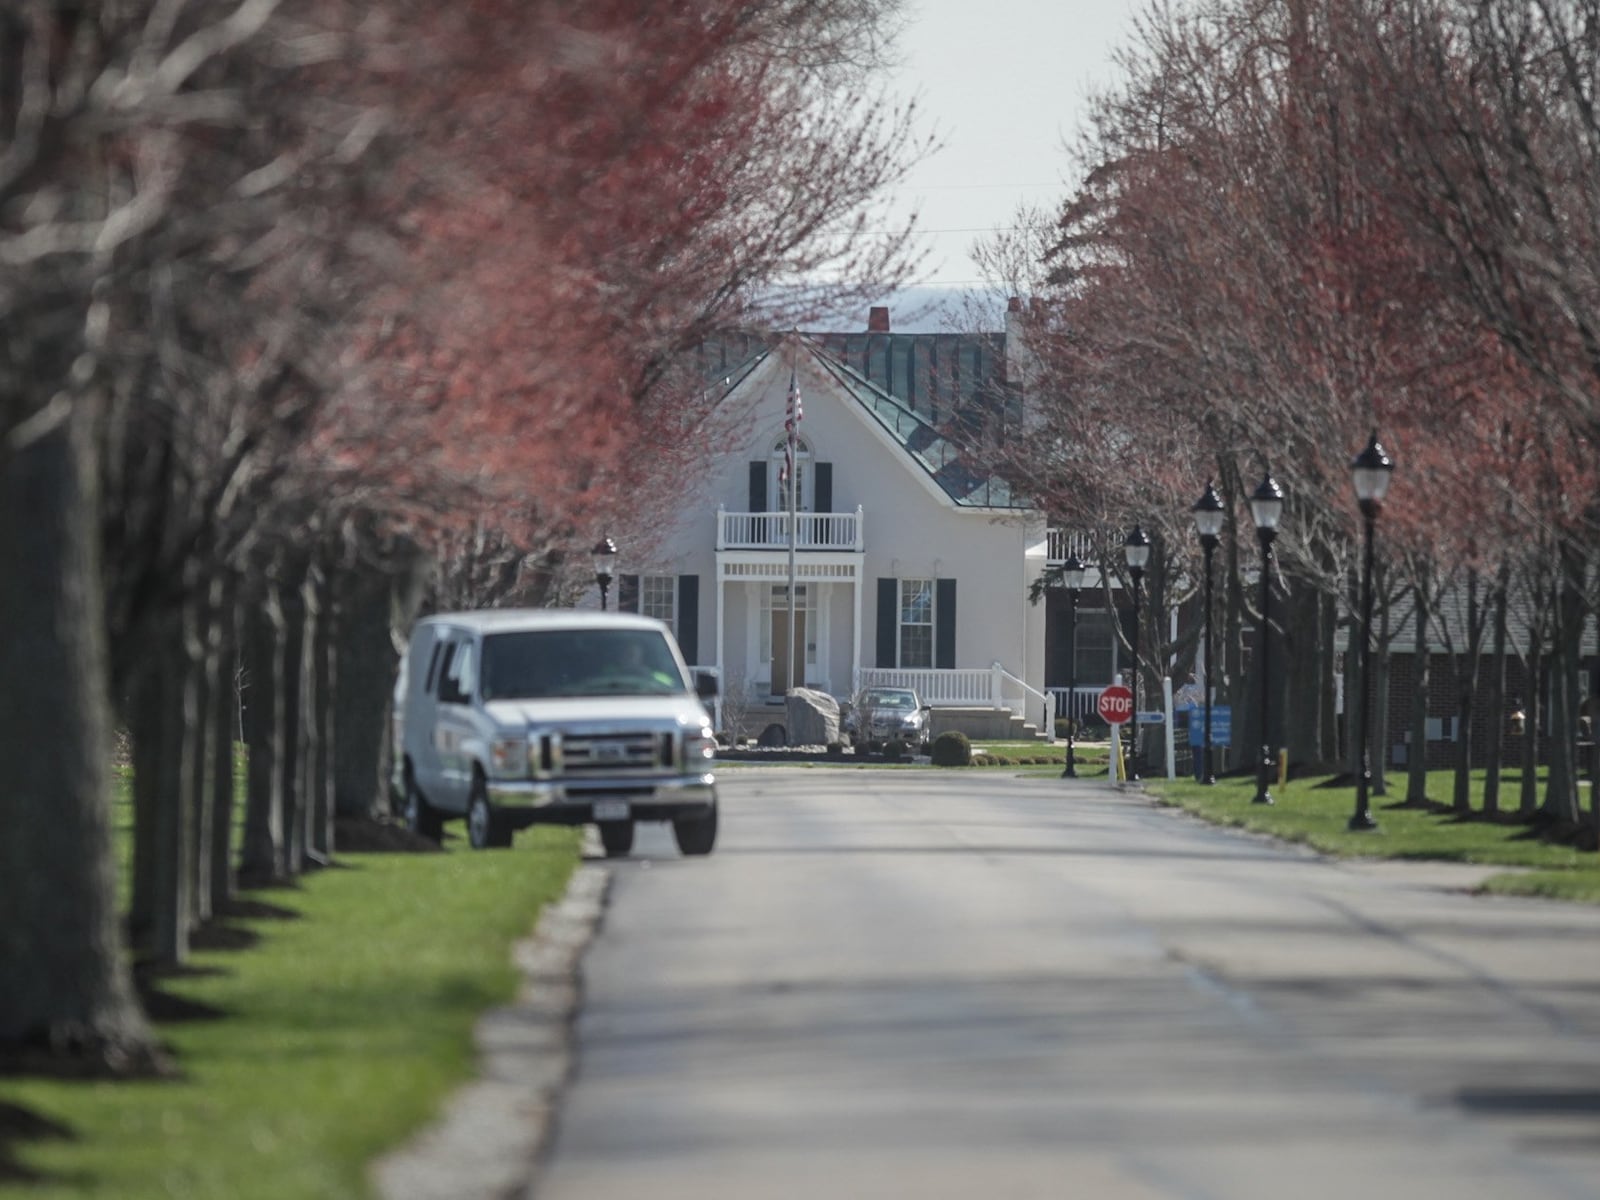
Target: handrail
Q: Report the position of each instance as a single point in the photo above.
(1044, 701)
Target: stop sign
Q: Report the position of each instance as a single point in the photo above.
(1115, 705)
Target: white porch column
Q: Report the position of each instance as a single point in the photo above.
(861, 536)
(855, 649)
(722, 666)
(994, 684)
(722, 541)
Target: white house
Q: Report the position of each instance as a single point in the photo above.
(910, 567)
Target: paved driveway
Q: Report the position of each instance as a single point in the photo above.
(930, 984)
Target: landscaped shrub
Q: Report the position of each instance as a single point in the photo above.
(894, 750)
(1064, 728)
(835, 749)
(952, 749)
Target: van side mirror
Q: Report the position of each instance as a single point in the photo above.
(706, 685)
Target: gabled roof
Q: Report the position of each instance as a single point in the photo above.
(729, 359)
(939, 376)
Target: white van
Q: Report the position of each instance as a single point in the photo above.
(512, 717)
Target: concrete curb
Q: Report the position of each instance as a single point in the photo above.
(487, 1141)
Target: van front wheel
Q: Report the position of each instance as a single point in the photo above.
(486, 829)
(696, 835)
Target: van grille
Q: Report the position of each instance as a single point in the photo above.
(611, 752)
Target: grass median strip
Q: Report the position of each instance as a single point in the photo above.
(1312, 812)
(333, 1027)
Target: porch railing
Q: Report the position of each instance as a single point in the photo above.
(770, 531)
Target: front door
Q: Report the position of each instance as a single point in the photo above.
(783, 651)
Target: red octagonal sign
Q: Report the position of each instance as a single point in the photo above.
(1115, 705)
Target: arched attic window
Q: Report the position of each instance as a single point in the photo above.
(804, 476)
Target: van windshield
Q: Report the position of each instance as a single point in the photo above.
(579, 662)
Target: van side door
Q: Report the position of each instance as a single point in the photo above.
(454, 726)
(417, 710)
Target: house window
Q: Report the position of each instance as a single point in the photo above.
(1096, 641)
(658, 595)
(779, 488)
(916, 622)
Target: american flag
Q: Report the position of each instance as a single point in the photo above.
(791, 423)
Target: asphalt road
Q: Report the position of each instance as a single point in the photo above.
(921, 984)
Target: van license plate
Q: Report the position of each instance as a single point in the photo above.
(611, 810)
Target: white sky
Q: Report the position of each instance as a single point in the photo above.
(1003, 82)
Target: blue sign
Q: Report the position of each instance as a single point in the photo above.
(1221, 725)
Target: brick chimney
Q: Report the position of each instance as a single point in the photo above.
(878, 319)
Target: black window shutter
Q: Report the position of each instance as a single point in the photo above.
(944, 618)
(824, 488)
(758, 487)
(888, 621)
(689, 618)
(628, 593)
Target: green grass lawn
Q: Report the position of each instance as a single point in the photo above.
(334, 1029)
(1316, 815)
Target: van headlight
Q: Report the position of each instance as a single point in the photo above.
(508, 757)
(699, 750)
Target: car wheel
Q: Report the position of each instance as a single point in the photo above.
(486, 829)
(421, 818)
(616, 837)
(696, 835)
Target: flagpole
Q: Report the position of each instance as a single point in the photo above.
(794, 493)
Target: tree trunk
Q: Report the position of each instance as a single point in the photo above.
(262, 859)
(163, 703)
(1300, 670)
(1533, 718)
(1467, 662)
(224, 718)
(68, 992)
(292, 688)
(322, 684)
(1381, 663)
(1495, 700)
(202, 750)
(1561, 785)
(374, 610)
(1417, 757)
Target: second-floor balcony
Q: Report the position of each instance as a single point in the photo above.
(1064, 542)
(771, 531)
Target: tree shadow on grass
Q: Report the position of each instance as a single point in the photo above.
(20, 1125)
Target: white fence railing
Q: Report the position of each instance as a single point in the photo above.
(991, 687)
(770, 531)
(940, 688)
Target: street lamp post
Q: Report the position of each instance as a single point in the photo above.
(1073, 572)
(1266, 508)
(1370, 472)
(1208, 517)
(605, 566)
(1137, 551)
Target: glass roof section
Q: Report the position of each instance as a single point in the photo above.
(933, 452)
